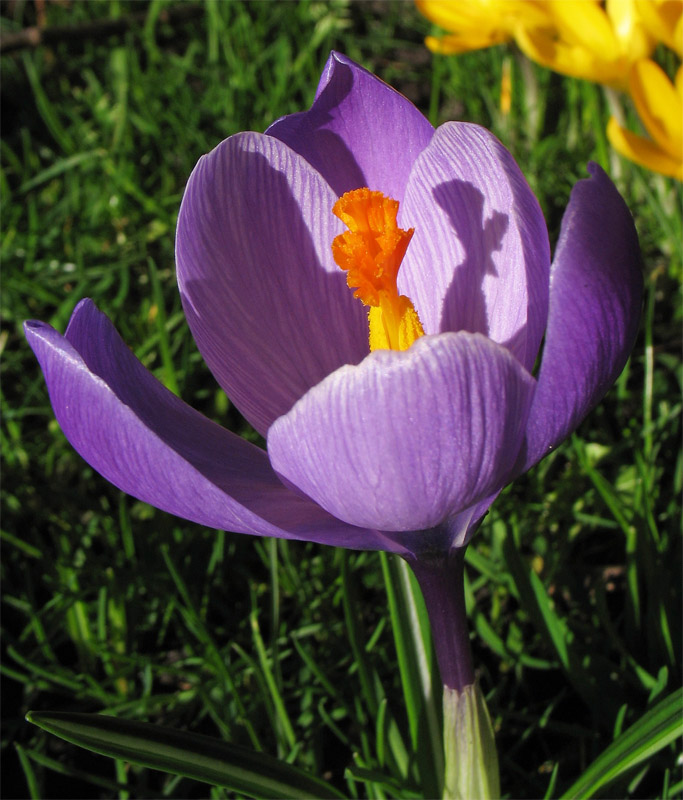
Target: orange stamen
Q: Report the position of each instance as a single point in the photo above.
(371, 251)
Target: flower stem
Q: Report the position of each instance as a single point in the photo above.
(470, 760)
(441, 579)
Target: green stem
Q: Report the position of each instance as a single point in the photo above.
(470, 760)
(469, 747)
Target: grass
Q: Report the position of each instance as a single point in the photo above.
(573, 581)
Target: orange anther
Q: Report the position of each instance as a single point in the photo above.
(371, 252)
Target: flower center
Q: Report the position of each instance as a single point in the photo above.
(371, 252)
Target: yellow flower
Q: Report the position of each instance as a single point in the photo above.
(663, 20)
(588, 40)
(474, 24)
(606, 42)
(660, 106)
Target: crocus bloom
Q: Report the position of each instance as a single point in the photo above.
(659, 103)
(575, 37)
(589, 41)
(475, 24)
(400, 450)
(663, 20)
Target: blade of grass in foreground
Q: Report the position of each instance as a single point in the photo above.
(654, 730)
(191, 755)
(412, 638)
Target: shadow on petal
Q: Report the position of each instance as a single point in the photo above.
(268, 307)
(464, 306)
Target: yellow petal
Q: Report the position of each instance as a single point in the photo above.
(678, 82)
(529, 13)
(659, 105)
(677, 43)
(475, 24)
(643, 151)
(459, 15)
(540, 46)
(455, 16)
(664, 21)
(634, 40)
(472, 26)
(584, 23)
(453, 44)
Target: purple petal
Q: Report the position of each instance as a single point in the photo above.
(406, 440)
(595, 296)
(452, 534)
(480, 258)
(268, 307)
(358, 132)
(149, 443)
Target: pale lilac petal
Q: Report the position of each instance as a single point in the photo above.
(479, 259)
(358, 132)
(149, 443)
(595, 297)
(406, 440)
(268, 307)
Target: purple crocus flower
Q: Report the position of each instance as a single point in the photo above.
(402, 451)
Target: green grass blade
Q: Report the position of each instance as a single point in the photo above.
(196, 626)
(536, 601)
(29, 773)
(114, 788)
(356, 637)
(61, 166)
(653, 731)
(181, 753)
(46, 108)
(285, 728)
(412, 638)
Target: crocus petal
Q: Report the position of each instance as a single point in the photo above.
(586, 25)
(406, 440)
(659, 105)
(643, 151)
(472, 26)
(479, 259)
(542, 47)
(150, 444)
(632, 35)
(664, 21)
(595, 296)
(460, 17)
(268, 307)
(453, 44)
(351, 131)
(480, 17)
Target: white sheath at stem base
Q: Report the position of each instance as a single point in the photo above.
(471, 761)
